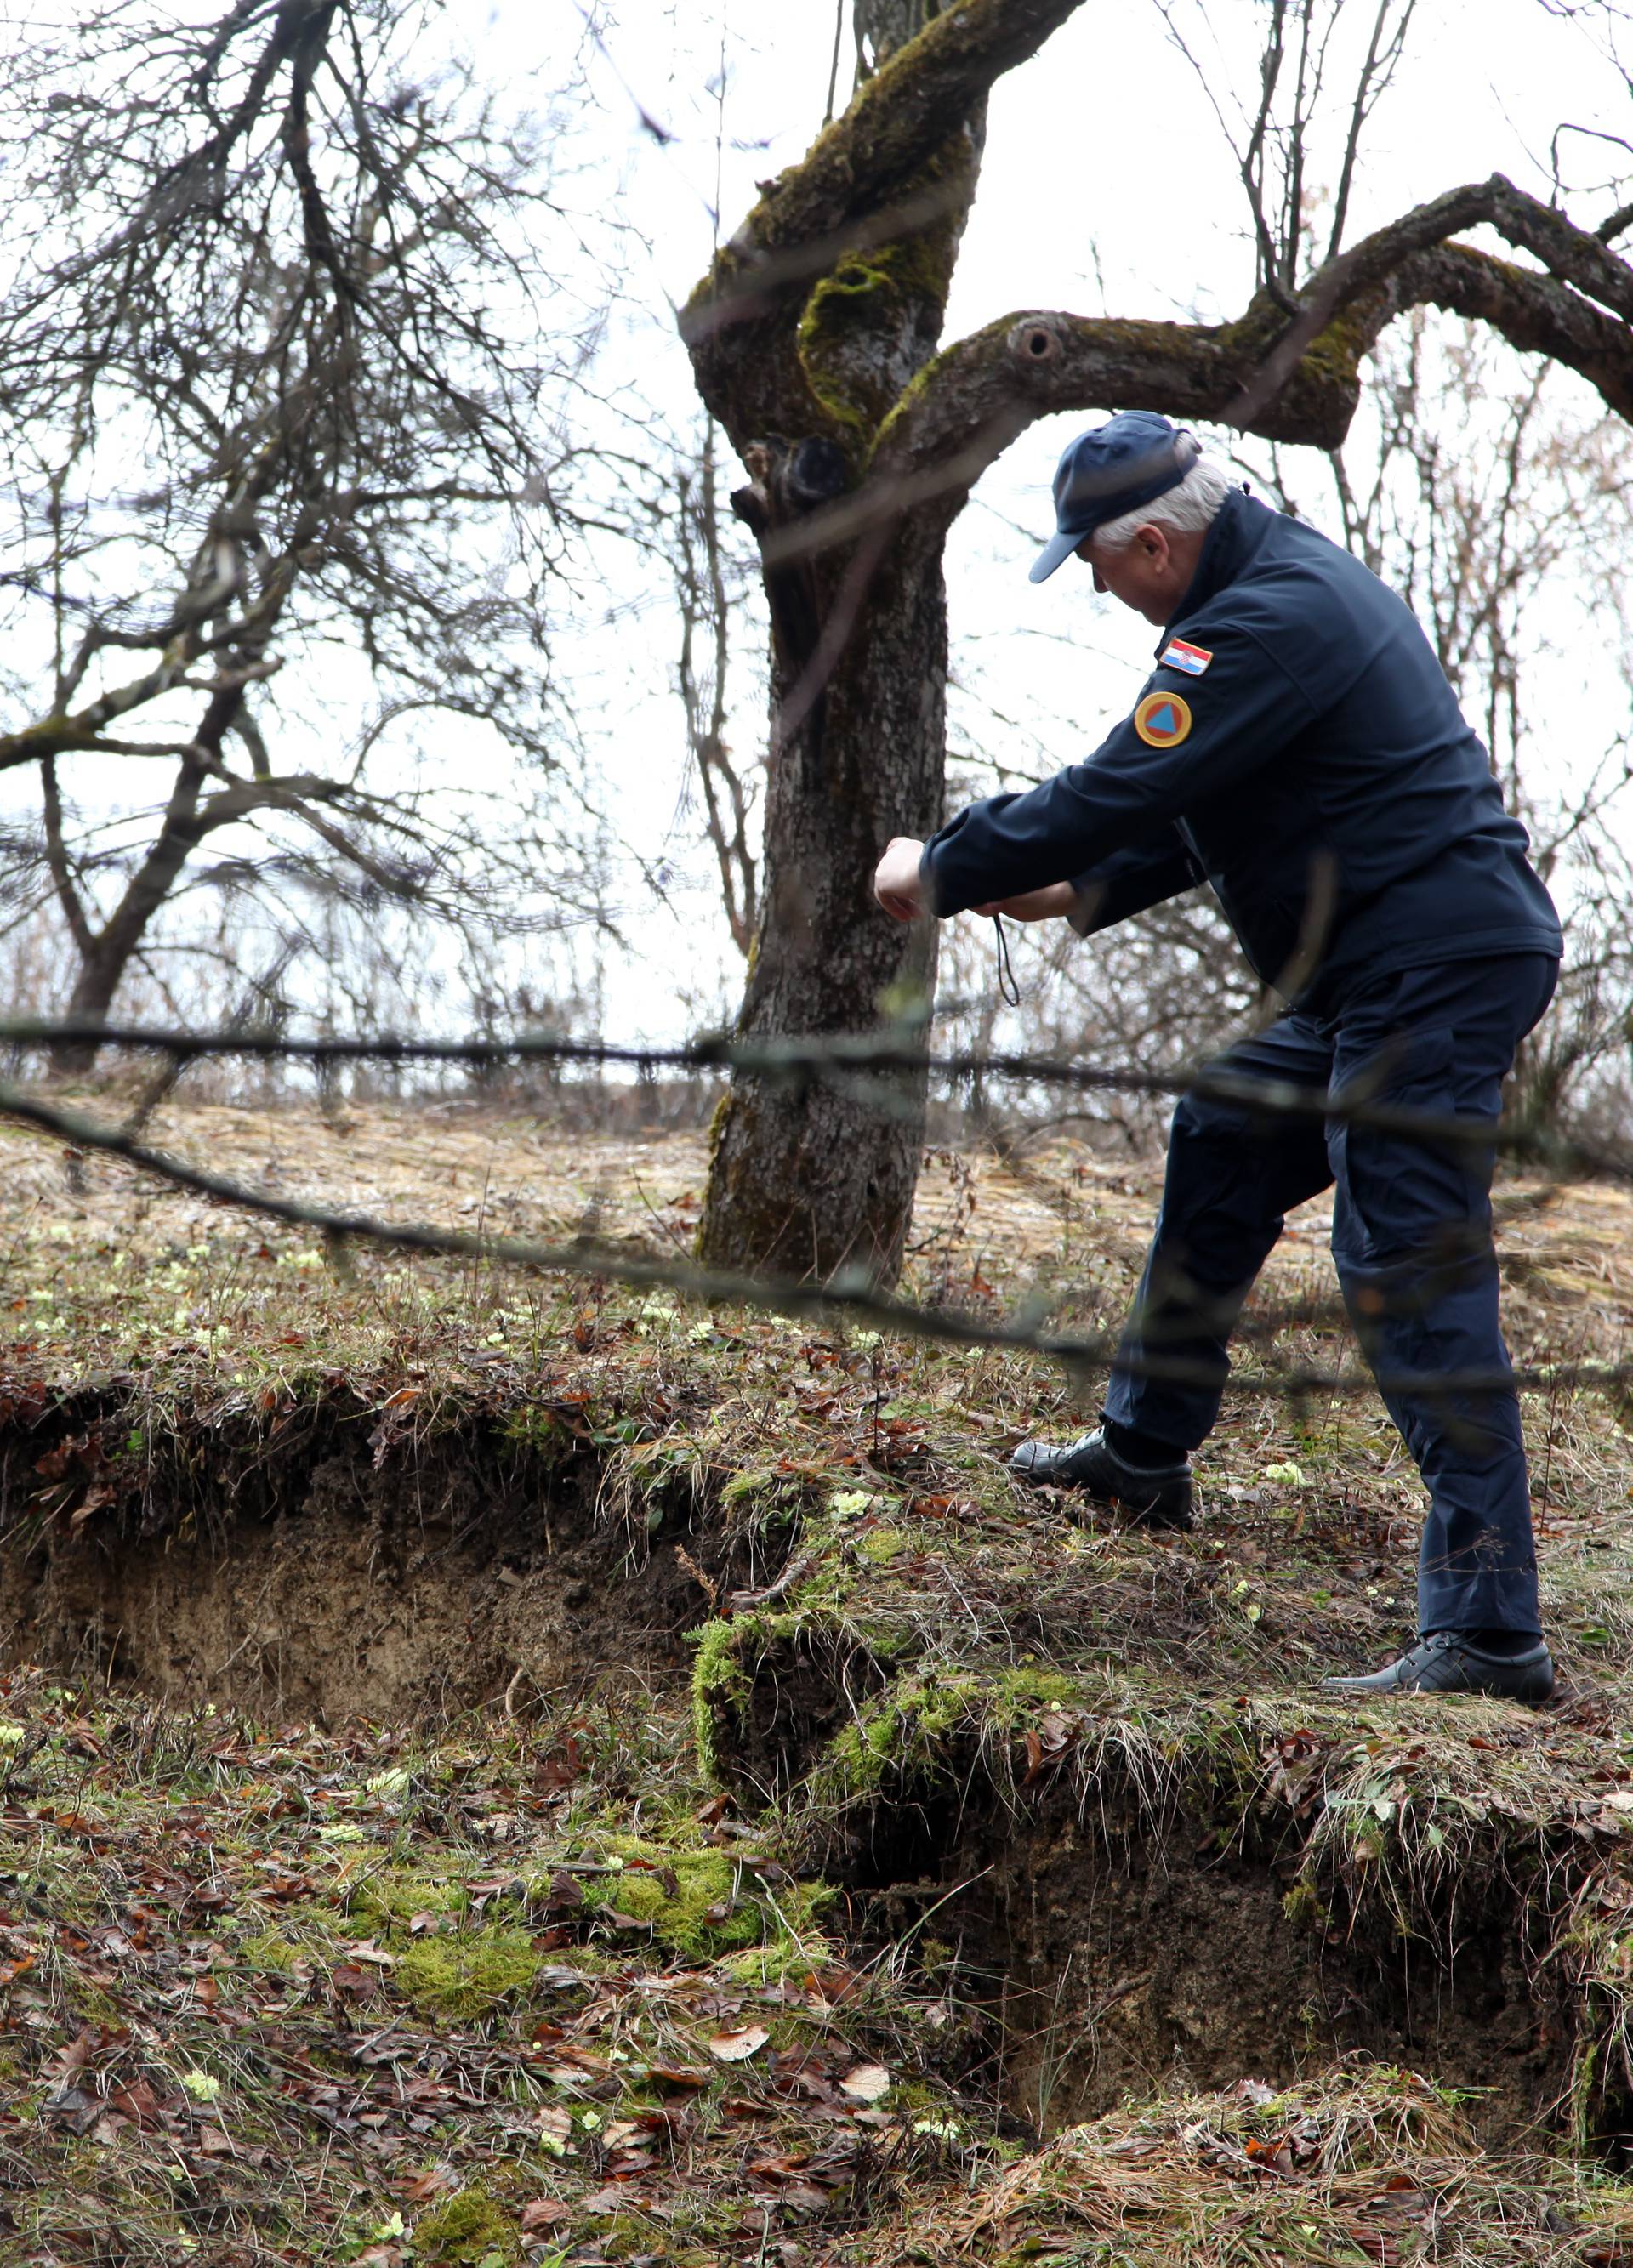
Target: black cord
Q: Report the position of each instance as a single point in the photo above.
(1008, 991)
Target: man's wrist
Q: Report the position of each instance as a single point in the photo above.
(927, 897)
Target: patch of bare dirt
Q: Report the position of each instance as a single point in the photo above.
(311, 1575)
(1179, 1961)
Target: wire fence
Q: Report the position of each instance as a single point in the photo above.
(851, 1294)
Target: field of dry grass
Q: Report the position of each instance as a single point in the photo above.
(500, 1768)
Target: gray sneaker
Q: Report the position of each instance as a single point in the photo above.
(1157, 1498)
(1445, 1662)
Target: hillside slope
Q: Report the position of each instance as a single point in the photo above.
(498, 1768)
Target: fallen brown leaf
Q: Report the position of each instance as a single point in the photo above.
(733, 2047)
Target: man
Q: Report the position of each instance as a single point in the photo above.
(1298, 748)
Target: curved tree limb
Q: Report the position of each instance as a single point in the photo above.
(1301, 386)
(895, 126)
(890, 149)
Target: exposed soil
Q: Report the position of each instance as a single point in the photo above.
(1126, 1966)
(321, 1568)
(499, 1488)
(331, 1563)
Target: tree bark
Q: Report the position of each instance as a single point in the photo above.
(811, 1176)
(807, 1175)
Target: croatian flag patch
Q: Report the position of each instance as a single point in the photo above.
(1194, 659)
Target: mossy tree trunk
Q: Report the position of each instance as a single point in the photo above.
(815, 340)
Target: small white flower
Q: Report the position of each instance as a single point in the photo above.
(203, 2085)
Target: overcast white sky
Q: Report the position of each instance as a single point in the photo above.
(1106, 185)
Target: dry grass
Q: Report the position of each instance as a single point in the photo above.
(1369, 2164)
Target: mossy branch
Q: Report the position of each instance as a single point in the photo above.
(1294, 382)
(896, 146)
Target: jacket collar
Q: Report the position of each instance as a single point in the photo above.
(1240, 527)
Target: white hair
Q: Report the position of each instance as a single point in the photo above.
(1189, 507)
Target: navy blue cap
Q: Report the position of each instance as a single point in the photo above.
(1131, 460)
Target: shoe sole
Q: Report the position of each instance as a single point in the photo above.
(1137, 1515)
(1440, 1693)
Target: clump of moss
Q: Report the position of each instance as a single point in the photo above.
(905, 1733)
(700, 1902)
(545, 1433)
(854, 318)
(389, 1897)
(721, 1687)
(467, 2231)
(467, 1976)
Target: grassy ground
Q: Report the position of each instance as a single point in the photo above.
(662, 1955)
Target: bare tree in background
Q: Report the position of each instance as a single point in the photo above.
(814, 341)
(711, 590)
(281, 370)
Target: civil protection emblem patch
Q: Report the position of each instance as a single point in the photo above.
(1162, 720)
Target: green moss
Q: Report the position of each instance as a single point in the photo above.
(390, 1897)
(469, 2231)
(905, 1735)
(848, 322)
(269, 1951)
(765, 1497)
(721, 1687)
(467, 1976)
(1021, 1691)
(880, 1545)
(1304, 1909)
(701, 1902)
(543, 1432)
(676, 1893)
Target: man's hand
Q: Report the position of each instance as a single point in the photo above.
(1053, 899)
(896, 882)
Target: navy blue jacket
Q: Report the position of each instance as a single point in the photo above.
(1313, 766)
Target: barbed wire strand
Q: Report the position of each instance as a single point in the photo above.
(838, 1056)
(848, 1294)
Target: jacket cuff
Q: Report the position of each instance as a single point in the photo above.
(927, 888)
(1088, 906)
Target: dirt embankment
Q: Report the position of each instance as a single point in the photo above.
(337, 1558)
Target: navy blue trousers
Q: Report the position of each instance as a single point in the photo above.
(1412, 1240)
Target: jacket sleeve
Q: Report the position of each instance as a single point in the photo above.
(1132, 880)
(1234, 720)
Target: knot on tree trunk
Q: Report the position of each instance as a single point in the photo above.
(788, 480)
(1037, 341)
